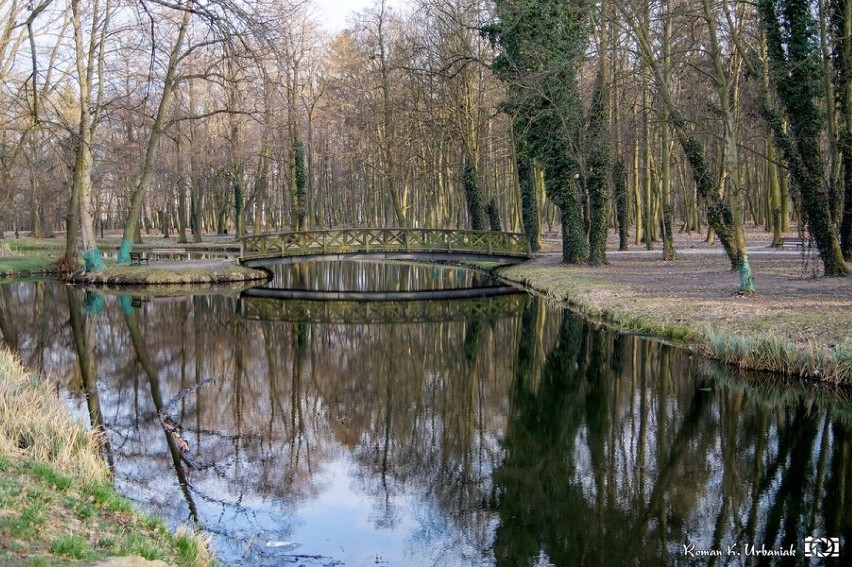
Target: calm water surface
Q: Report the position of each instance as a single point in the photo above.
(493, 431)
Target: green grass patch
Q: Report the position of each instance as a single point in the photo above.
(135, 544)
(73, 546)
(45, 519)
(51, 476)
(27, 265)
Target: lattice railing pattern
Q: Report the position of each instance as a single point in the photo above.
(367, 312)
(365, 240)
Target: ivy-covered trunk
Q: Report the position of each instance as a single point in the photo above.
(473, 194)
(493, 212)
(542, 45)
(622, 202)
(841, 20)
(599, 163)
(299, 184)
(529, 200)
(797, 78)
(559, 178)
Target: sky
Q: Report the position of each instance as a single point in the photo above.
(334, 13)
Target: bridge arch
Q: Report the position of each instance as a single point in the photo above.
(390, 243)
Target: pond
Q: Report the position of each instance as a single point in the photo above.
(491, 430)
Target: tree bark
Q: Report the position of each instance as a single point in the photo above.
(157, 129)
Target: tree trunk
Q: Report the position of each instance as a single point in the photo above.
(473, 194)
(797, 81)
(157, 128)
(599, 157)
(666, 150)
(529, 200)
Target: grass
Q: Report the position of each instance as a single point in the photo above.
(57, 505)
(766, 352)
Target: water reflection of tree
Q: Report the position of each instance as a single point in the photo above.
(83, 332)
(574, 446)
(621, 463)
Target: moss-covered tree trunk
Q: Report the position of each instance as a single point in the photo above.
(473, 193)
(796, 77)
(731, 231)
(841, 17)
(622, 202)
(530, 215)
(599, 163)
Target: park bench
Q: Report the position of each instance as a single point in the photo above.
(136, 258)
(793, 241)
(160, 253)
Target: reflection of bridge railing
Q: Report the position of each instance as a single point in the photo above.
(499, 246)
(371, 312)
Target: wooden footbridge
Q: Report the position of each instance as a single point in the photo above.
(388, 243)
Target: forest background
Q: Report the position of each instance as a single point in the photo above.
(572, 117)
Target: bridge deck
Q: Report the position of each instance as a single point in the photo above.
(384, 242)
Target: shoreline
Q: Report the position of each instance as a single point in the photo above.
(57, 501)
(796, 327)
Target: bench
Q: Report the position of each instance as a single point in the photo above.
(792, 240)
(136, 258)
(178, 253)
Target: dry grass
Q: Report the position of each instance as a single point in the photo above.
(34, 423)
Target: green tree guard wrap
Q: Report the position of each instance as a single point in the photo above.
(93, 260)
(124, 251)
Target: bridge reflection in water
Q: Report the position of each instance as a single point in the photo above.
(365, 307)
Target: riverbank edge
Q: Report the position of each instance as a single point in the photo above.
(761, 352)
(187, 272)
(57, 502)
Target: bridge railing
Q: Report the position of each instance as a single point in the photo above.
(355, 240)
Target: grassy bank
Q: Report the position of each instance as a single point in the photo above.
(28, 257)
(797, 327)
(57, 505)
